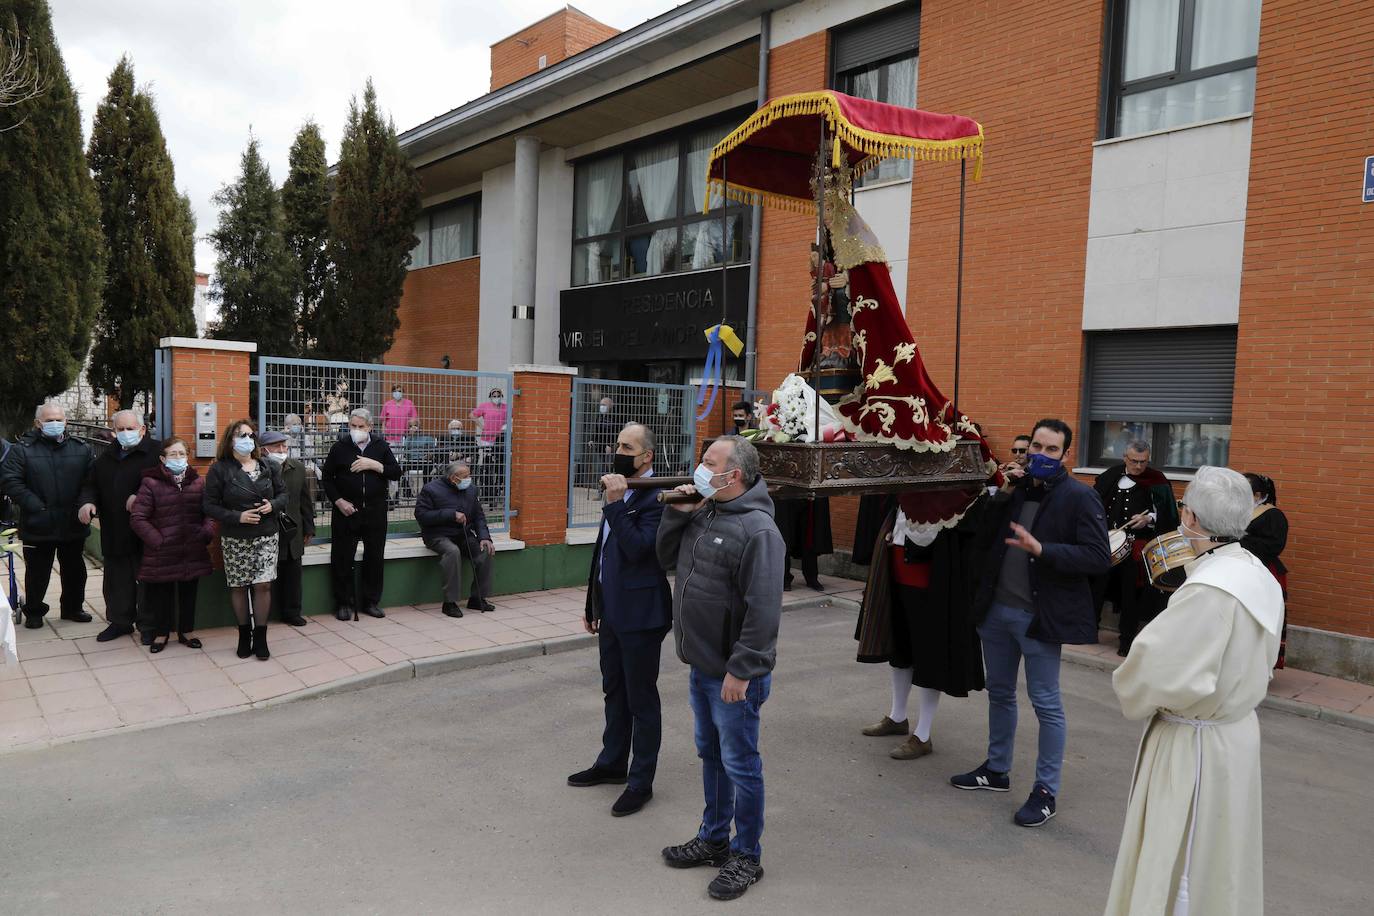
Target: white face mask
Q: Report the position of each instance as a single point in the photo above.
(604, 408)
(277, 457)
(396, 395)
(359, 436)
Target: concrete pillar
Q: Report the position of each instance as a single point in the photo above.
(524, 239)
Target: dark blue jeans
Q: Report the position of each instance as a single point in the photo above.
(731, 767)
(1005, 644)
(634, 719)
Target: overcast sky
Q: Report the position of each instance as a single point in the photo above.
(217, 68)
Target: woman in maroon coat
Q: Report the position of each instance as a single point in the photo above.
(167, 517)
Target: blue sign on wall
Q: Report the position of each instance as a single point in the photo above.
(1369, 180)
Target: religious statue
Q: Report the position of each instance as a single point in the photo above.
(336, 405)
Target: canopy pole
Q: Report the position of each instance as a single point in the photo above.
(959, 287)
(820, 281)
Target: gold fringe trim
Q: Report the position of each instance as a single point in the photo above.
(885, 146)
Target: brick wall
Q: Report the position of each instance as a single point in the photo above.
(207, 375)
(541, 430)
(1027, 220)
(439, 312)
(557, 37)
(1303, 410)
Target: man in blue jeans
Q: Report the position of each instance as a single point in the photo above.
(1049, 540)
(726, 604)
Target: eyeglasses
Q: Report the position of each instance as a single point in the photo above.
(1019, 451)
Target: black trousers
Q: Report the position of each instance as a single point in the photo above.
(811, 568)
(286, 588)
(634, 718)
(125, 601)
(369, 527)
(171, 602)
(1137, 605)
(38, 572)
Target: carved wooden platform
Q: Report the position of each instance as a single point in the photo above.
(809, 469)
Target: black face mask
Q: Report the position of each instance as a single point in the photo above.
(740, 424)
(624, 465)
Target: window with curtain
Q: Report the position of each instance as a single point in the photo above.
(1171, 388)
(1179, 62)
(640, 211)
(448, 232)
(875, 58)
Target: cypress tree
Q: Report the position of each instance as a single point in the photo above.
(305, 208)
(371, 226)
(255, 279)
(51, 254)
(149, 233)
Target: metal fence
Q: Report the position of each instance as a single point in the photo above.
(667, 410)
(442, 415)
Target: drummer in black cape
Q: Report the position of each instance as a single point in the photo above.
(1140, 505)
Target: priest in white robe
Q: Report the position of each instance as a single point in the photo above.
(1192, 838)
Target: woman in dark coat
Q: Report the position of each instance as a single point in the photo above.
(1266, 537)
(168, 518)
(246, 495)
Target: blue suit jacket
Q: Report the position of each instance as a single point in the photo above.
(630, 592)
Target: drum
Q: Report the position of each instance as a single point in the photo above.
(1119, 542)
(1165, 558)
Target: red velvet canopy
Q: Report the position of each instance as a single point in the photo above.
(771, 157)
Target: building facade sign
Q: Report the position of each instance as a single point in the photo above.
(659, 318)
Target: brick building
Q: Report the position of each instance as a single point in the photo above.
(1168, 242)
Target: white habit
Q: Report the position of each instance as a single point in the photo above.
(1197, 672)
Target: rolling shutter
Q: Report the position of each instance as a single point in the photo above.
(1176, 376)
(891, 34)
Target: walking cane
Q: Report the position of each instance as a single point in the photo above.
(468, 536)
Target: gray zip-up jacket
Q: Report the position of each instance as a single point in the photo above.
(728, 596)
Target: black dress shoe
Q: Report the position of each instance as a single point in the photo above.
(113, 631)
(372, 610)
(476, 604)
(33, 621)
(596, 776)
(451, 609)
(296, 620)
(630, 801)
(78, 617)
(343, 612)
(787, 584)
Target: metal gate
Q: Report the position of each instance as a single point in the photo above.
(667, 410)
(442, 415)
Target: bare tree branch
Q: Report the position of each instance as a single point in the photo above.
(21, 79)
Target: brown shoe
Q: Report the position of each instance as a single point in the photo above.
(887, 727)
(910, 749)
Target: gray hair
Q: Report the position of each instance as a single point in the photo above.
(646, 436)
(138, 417)
(1137, 445)
(453, 467)
(286, 420)
(361, 413)
(38, 411)
(1222, 501)
(744, 456)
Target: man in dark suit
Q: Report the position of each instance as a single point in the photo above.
(630, 608)
(356, 476)
(300, 508)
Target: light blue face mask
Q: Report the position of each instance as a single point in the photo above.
(54, 428)
(701, 479)
(244, 445)
(465, 483)
(176, 465)
(128, 438)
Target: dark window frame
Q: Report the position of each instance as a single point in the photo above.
(1090, 451)
(837, 78)
(682, 134)
(1117, 87)
(475, 199)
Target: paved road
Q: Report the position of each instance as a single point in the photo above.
(447, 795)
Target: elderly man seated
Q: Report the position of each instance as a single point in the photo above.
(454, 526)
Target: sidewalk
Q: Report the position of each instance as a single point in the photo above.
(68, 686)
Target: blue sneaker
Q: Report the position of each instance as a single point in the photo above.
(982, 778)
(1037, 810)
